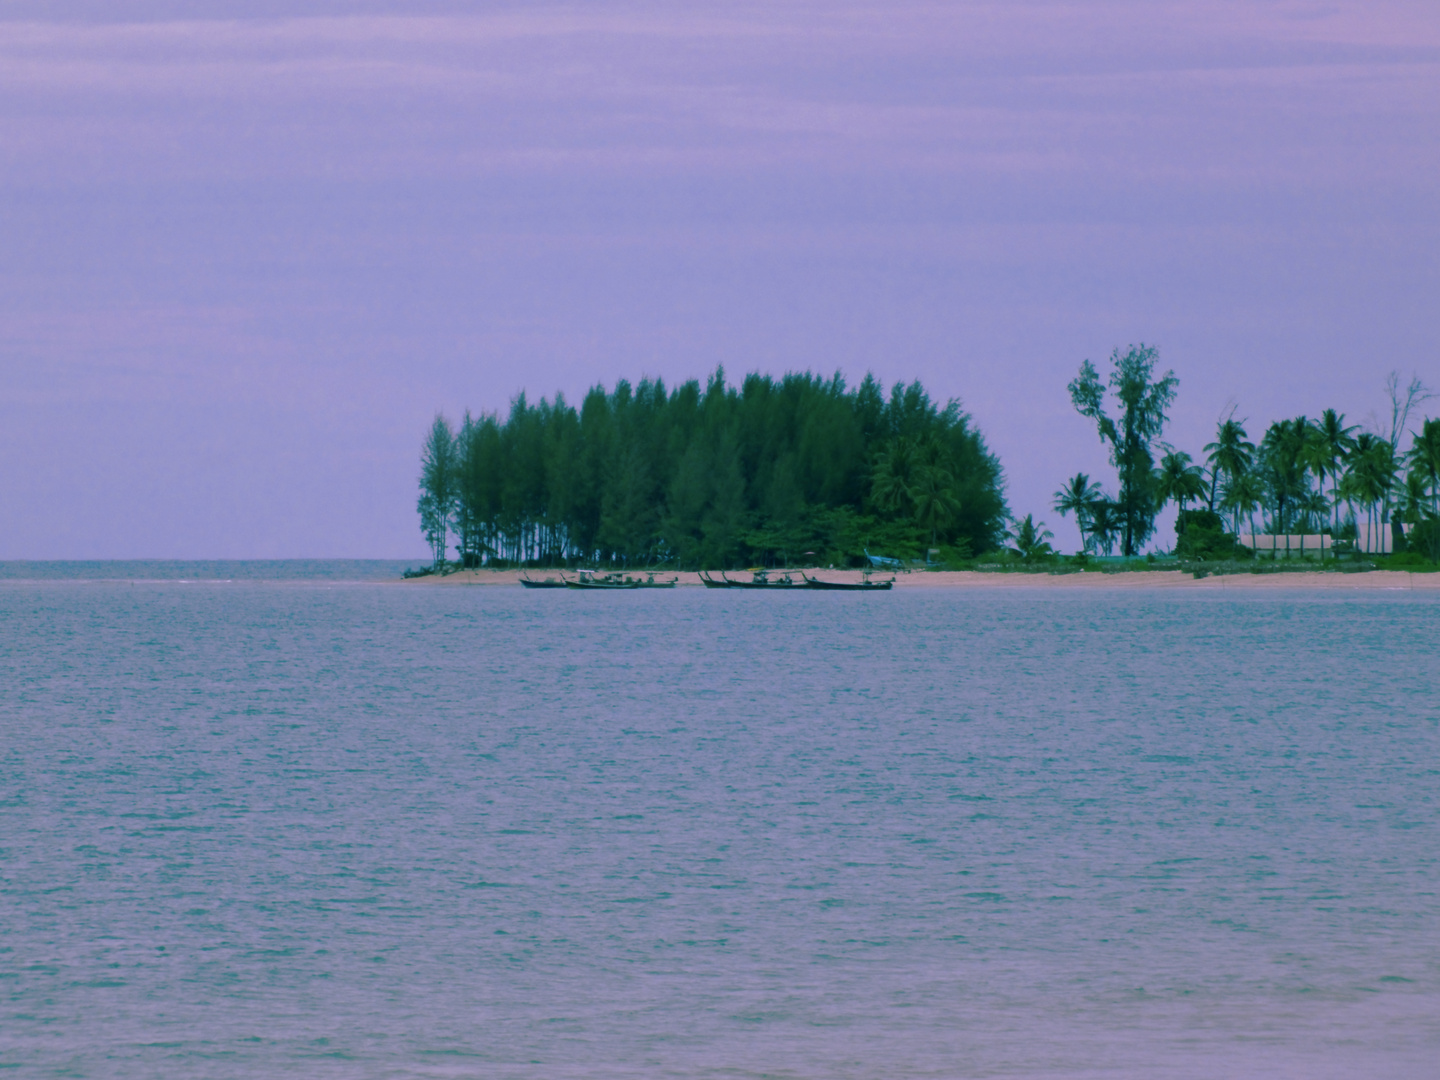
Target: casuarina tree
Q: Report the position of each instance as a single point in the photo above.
(439, 485)
(1141, 399)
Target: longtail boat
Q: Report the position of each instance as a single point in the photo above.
(850, 586)
(546, 583)
(760, 579)
(586, 579)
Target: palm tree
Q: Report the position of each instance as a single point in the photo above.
(1105, 524)
(933, 493)
(1031, 538)
(1424, 458)
(1286, 472)
(1335, 438)
(1079, 495)
(1242, 498)
(1314, 508)
(1414, 497)
(1178, 480)
(890, 489)
(1230, 455)
(1369, 478)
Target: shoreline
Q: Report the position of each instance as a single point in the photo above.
(1387, 580)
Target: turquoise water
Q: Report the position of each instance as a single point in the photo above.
(329, 829)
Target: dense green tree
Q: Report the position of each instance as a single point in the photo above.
(719, 475)
(1142, 400)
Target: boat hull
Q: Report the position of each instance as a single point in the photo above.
(849, 586)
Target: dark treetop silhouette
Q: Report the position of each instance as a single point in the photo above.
(772, 471)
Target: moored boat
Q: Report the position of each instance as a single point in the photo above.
(850, 586)
(587, 579)
(760, 579)
(544, 583)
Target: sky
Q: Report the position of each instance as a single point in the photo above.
(248, 250)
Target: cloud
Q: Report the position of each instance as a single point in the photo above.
(997, 88)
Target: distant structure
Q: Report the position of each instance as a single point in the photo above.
(1370, 540)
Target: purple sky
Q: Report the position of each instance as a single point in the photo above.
(246, 256)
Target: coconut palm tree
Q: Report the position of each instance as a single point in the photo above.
(1314, 510)
(1424, 460)
(1178, 481)
(1369, 478)
(1243, 495)
(1335, 438)
(1079, 495)
(1414, 497)
(934, 497)
(1284, 457)
(1031, 538)
(1105, 525)
(1229, 455)
(890, 488)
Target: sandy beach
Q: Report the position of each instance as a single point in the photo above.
(1084, 579)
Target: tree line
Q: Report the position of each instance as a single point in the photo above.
(1304, 475)
(773, 471)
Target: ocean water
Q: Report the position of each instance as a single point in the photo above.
(265, 825)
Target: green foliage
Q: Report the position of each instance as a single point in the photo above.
(439, 485)
(1201, 535)
(1142, 400)
(1032, 540)
(1230, 457)
(1424, 540)
(1178, 481)
(1085, 500)
(1285, 479)
(773, 471)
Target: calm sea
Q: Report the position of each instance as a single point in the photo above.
(278, 823)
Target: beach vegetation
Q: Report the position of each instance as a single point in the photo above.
(1031, 539)
(1141, 399)
(1081, 497)
(439, 486)
(1304, 480)
(775, 471)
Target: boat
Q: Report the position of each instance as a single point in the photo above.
(760, 579)
(651, 583)
(547, 583)
(883, 562)
(850, 586)
(586, 579)
(711, 583)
